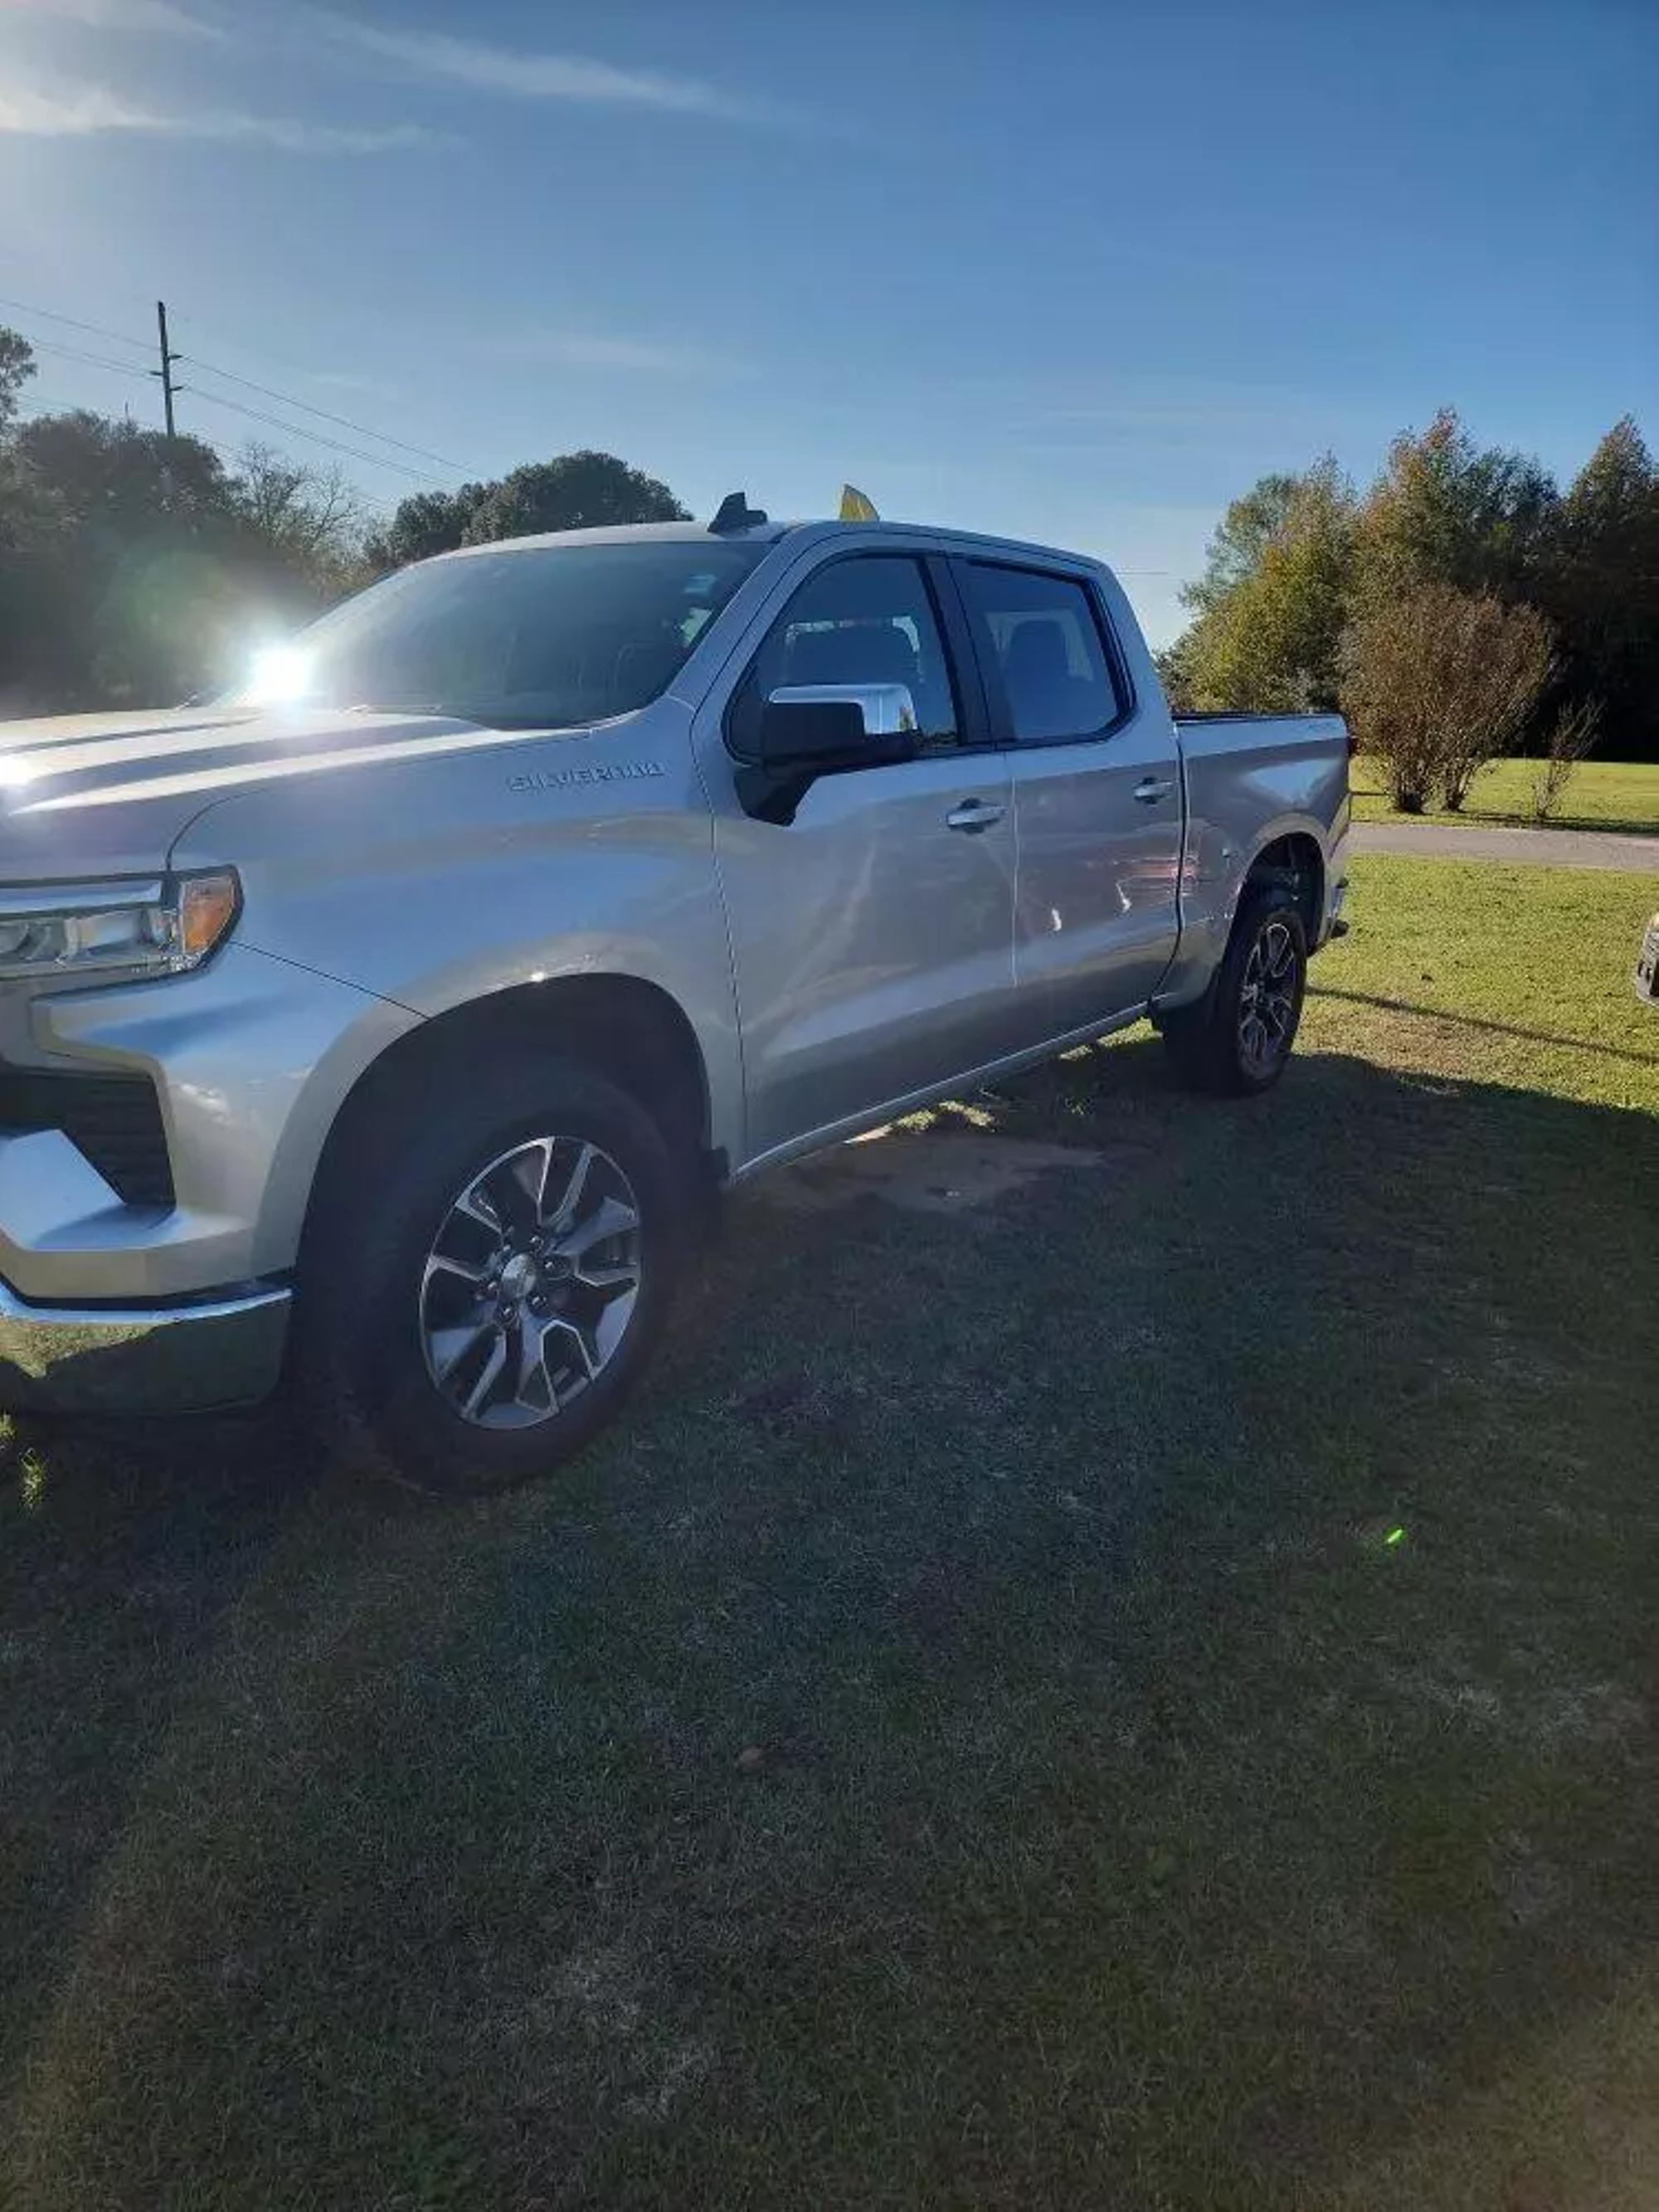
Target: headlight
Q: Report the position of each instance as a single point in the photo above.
(67, 930)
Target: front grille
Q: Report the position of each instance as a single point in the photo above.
(115, 1120)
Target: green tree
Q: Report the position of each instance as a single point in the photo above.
(426, 523)
(1601, 588)
(135, 567)
(17, 366)
(572, 491)
(1274, 597)
(132, 581)
(575, 491)
(1174, 672)
(1297, 558)
(1240, 538)
(1445, 511)
(29, 524)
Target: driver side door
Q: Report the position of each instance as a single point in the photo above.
(872, 936)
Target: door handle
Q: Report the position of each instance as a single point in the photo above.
(1152, 788)
(973, 815)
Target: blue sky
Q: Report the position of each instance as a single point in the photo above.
(1071, 271)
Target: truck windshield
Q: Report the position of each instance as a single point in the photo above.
(545, 638)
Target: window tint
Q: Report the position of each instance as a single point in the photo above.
(869, 620)
(1042, 634)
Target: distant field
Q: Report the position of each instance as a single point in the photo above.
(1602, 795)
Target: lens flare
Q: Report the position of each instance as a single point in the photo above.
(280, 674)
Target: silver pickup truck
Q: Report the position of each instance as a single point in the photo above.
(390, 1020)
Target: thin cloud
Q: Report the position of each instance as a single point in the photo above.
(573, 77)
(90, 111)
(592, 349)
(159, 15)
(348, 380)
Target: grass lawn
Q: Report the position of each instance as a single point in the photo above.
(1602, 795)
(1139, 1697)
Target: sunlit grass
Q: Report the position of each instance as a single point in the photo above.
(1620, 795)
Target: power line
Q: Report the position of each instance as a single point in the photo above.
(297, 430)
(76, 353)
(345, 422)
(216, 400)
(94, 329)
(249, 383)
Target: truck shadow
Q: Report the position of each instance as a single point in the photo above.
(1180, 1629)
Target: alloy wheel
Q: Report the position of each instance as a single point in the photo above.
(530, 1282)
(1267, 1001)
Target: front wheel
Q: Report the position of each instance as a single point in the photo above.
(1237, 1039)
(487, 1273)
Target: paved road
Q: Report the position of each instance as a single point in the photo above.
(1540, 848)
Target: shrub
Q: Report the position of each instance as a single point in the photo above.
(1437, 683)
(1572, 737)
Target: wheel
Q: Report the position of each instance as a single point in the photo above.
(486, 1273)
(1237, 1038)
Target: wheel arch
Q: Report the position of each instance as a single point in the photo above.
(1295, 859)
(632, 1032)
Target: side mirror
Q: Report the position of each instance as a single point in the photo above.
(828, 728)
(810, 730)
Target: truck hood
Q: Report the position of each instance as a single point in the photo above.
(90, 794)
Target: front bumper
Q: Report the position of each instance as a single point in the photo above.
(184, 1357)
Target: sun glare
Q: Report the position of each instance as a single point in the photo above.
(279, 674)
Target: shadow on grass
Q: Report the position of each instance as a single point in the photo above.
(1454, 1019)
(1481, 818)
(122, 1548)
(1639, 825)
(974, 1735)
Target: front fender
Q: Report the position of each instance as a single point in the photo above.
(252, 1059)
(436, 882)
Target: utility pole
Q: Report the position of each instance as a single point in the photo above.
(165, 372)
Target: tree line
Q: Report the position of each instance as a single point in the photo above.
(1463, 606)
(137, 570)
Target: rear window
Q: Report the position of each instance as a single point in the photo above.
(1042, 635)
(547, 638)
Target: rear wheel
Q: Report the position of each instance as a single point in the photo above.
(486, 1271)
(1237, 1039)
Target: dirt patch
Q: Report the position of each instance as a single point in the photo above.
(924, 1173)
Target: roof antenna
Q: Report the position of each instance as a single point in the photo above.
(735, 513)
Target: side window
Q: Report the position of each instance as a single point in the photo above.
(866, 620)
(1043, 635)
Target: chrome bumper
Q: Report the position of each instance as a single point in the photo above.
(183, 1357)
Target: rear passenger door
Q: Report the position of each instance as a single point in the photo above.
(871, 936)
(1096, 796)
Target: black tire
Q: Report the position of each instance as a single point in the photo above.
(1208, 1042)
(388, 1195)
